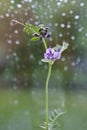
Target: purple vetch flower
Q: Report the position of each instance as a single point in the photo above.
(48, 55)
(52, 54)
(42, 33)
(57, 54)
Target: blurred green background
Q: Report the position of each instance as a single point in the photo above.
(23, 75)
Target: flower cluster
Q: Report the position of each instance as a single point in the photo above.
(43, 32)
(52, 54)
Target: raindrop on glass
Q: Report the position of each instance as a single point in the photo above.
(17, 42)
(63, 14)
(73, 37)
(65, 68)
(77, 17)
(62, 25)
(58, 3)
(12, 1)
(81, 4)
(16, 31)
(19, 5)
(9, 41)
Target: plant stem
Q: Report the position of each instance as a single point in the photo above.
(44, 42)
(47, 83)
(16, 21)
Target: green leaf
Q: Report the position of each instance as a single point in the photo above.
(43, 127)
(54, 119)
(43, 60)
(35, 28)
(55, 126)
(35, 38)
(30, 29)
(48, 61)
(50, 119)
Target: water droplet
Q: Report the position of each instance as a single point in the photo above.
(45, 13)
(26, 13)
(7, 14)
(63, 14)
(7, 57)
(73, 37)
(29, 0)
(60, 35)
(73, 2)
(17, 42)
(62, 25)
(68, 26)
(14, 54)
(12, 1)
(78, 60)
(10, 8)
(56, 24)
(73, 63)
(9, 41)
(65, 1)
(71, 11)
(16, 12)
(33, 6)
(16, 31)
(58, 3)
(1, 16)
(81, 4)
(31, 19)
(80, 29)
(86, 34)
(77, 17)
(31, 56)
(19, 5)
(65, 68)
(63, 59)
(51, 16)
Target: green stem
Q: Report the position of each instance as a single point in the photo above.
(44, 42)
(16, 21)
(47, 83)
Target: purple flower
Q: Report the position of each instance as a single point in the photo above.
(52, 54)
(42, 33)
(57, 54)
(49, 54)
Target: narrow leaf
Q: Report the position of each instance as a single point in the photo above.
(54, 125)
(35, 39)
(36, 29)
(43, 60)
(43, 127)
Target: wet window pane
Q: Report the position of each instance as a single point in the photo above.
(23, 74)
